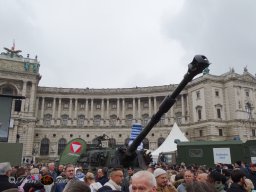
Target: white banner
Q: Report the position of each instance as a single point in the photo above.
(221, 155)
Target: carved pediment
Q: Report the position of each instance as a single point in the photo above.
(248, 77)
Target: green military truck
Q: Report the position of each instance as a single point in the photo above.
(11, 152)
(210, 153)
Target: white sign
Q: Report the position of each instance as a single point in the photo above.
(253, 159)
(221, 155)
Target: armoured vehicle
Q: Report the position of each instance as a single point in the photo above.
(126, 156)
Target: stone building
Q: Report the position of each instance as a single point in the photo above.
(209, 108)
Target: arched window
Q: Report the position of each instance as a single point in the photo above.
(112, 121)
(47, 119)
(145, 143)
(64, 120)
(199, 113)
(97, 119)
(80, 120)
(61, 145)
(145, 119)
(44, 148)
(129, 120)
(160, 141)
(8, 90)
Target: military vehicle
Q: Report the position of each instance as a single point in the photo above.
(126, 156)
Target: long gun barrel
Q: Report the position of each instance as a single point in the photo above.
(196, 67)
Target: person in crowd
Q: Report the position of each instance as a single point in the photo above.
(217, 180)
(77, 186)
(179, 178)
(238, 178)
(248, 185)
(198, 186)
(5, 172)
(60, 169)
(202, 177)
(33, 181)
(89, 179)
(21, 174)
(162, 181)
(44, 171)
(143, 181)
(126, 182)
(116, 178)
(252, 173)
(70, 175)
(52, 172)
(189, 177)
(79, 174)
(102, 175)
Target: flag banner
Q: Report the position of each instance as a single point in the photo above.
(72, 151)
(5, 114)
(136, 130)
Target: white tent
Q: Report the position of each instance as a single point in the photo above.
(168, 145)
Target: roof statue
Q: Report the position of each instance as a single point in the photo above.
(12, 52)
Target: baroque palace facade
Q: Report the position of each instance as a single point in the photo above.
(209, 108)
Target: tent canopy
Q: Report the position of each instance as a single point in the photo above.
(168, 145)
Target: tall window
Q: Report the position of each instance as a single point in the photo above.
(80, 120)
(200, 133)
(44, 148)
(253, 132)
(199, 112)
(61, 145)
(64, 120)
(112, 142)
(47, 119)
(220, 132)
(219, 113)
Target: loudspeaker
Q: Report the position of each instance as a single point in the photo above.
(17, 106)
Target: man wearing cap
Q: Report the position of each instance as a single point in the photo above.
(5, 181)
(162, 181)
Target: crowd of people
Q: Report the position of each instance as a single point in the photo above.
(156, 178)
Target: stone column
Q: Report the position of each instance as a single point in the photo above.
(70, 112)
(24, 91)
(102, 112)
(139, 111)
(154, 105)
(59, 112)
(182, 109)
(118, 111)
(133, 110)
(149, 107)
(86, 112)
(36, 110)
(123, 109)
(53, 111)
(91, 120)
(107, 113)
(32, 97)
(42, 111)
(75, 113)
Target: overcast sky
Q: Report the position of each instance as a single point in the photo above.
(118, 44)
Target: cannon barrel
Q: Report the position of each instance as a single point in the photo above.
(196, 67)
